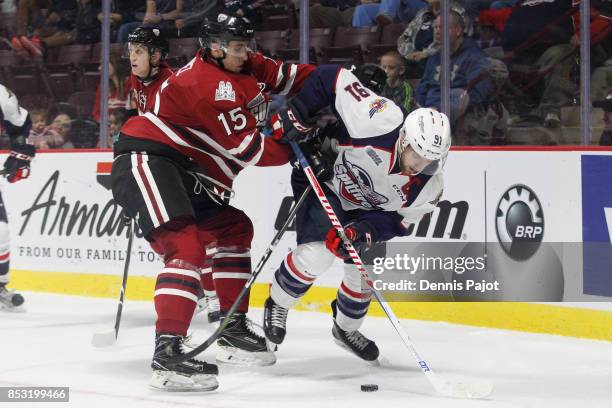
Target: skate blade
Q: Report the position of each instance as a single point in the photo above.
(104, 339)
(238, 357)
(12, 309)
(171, 381)
(271, 346)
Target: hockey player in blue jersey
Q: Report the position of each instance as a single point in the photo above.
(386, 175)
(16, 123)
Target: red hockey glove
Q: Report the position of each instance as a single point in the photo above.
(17, 165)
(358, 233)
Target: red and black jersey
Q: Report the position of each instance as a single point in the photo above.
(213, 115)
(143, 92)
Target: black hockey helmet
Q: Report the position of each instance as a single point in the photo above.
(372, 76)
(152, 38)
(223, 29)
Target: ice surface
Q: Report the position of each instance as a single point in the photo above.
(50, 345)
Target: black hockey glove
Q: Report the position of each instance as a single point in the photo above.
(17, 165)
(359, 233)
(321, 164)
(293, 123)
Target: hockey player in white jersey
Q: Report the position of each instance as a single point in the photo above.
(16, 123)
(386, 175)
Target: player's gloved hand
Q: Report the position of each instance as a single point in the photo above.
(322, 165)
(293, 123)
(17, 165)
(359, 233)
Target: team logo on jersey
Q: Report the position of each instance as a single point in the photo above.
(259, 107)
(356, 185)
(225, 92)
(377, 105)
(519, 222)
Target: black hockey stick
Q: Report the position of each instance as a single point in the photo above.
(105, 339)
(262, 262)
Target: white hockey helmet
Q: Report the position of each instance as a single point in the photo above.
(428, 132)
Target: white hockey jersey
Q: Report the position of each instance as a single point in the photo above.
(13, 118)
(366, 170)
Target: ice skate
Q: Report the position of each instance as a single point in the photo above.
(188, 376)
(275, 321)
(240, 345)
(354, 341)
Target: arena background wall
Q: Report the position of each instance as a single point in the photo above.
(67, 236)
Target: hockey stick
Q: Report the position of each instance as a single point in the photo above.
(262, 262)
(445, 388)
(108, 338)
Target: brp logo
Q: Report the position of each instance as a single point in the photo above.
(519, 222)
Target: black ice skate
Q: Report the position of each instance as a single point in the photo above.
(354, 341)
(190, 375)
(240, 345)
(275, 321)
(9, 300)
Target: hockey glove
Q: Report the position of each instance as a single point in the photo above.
(17, 165)
(293, 123)
(360, 235)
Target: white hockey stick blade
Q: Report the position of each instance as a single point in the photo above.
(104, 339)
(471, 390)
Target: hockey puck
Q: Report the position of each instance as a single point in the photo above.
(369, 387)
(17, 300)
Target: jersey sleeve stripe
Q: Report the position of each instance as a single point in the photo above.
(280, 75)
(289, 85)
(255, 147)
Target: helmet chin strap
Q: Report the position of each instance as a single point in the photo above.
(217, 59)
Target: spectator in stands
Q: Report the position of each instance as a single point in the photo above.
(118, 76)
(123, 12)
(188, 25)
(30, 16)
(386, 12)
(416, 43)
(242, 8)
(486, 123)
(397, 88)
(58, 133)
(54, 136)
(332, 13)
(545, 37)
(116, 119)
(87, 26)
(161, 14)
(469, 83)
(474, 7)
(40, 119)
(56, 31)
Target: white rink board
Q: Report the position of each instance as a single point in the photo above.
(61, 181)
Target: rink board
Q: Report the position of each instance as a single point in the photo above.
(67, 235)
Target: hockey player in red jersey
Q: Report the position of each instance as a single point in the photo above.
(173, 170)
(147, 50)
